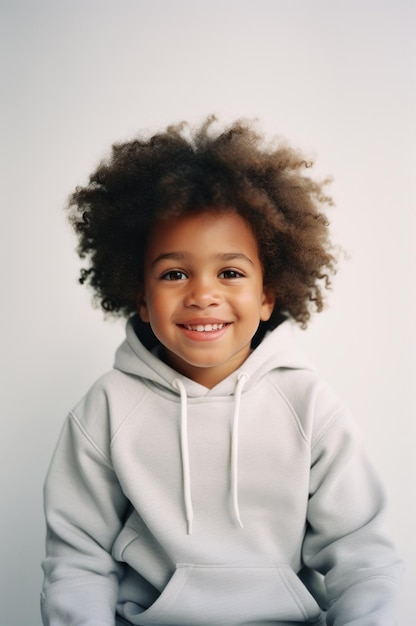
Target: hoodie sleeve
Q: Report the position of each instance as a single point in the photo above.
(84, 507)
(346, 539)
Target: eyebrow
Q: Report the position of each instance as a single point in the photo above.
(183, 256)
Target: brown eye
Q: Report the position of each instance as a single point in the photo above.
(174, 275)
(230, 274)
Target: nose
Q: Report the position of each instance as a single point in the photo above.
(203, 292)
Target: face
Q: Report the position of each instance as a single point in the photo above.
(203, 293)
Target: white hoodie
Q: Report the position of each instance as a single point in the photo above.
(171, 504)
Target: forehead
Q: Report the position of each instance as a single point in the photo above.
(205, 234)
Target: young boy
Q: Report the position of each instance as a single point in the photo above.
(211, 478)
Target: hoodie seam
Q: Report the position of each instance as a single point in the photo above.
(90, 440)
(359, 582)
(292, 411)
(129, 413)
(55, 587)
(326, 428)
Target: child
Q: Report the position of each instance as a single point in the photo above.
(211, 478)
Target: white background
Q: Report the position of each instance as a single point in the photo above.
(335, 77)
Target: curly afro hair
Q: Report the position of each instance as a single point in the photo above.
(182, 171)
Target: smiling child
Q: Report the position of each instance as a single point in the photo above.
(203, 293)
(211, 478)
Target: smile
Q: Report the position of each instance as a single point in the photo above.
(203, 328)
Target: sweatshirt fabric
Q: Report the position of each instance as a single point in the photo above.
(251, 503)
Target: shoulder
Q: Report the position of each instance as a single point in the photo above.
(311, 399)
(108, 402)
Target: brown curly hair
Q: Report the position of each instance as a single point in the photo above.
(181, 171)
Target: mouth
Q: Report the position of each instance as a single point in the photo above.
(204, 328)
(210, 331)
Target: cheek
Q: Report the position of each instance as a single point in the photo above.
(158, 306)
(150, 304)
(252, 298)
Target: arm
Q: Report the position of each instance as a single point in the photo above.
(84, 507)
(346, 538)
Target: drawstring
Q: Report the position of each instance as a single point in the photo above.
(186, 473)
(241, 381)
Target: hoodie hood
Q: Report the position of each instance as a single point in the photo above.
(139, 355)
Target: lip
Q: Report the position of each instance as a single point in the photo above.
(205, 335)
(195, 321)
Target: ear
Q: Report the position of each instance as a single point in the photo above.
(267, 305)
(142, 308)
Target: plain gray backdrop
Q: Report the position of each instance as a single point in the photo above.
(334, 77)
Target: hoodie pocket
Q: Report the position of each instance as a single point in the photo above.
(208, 595)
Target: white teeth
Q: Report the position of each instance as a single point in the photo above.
(204, 328)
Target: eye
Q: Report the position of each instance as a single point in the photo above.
(174, 275)
(230, 274)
